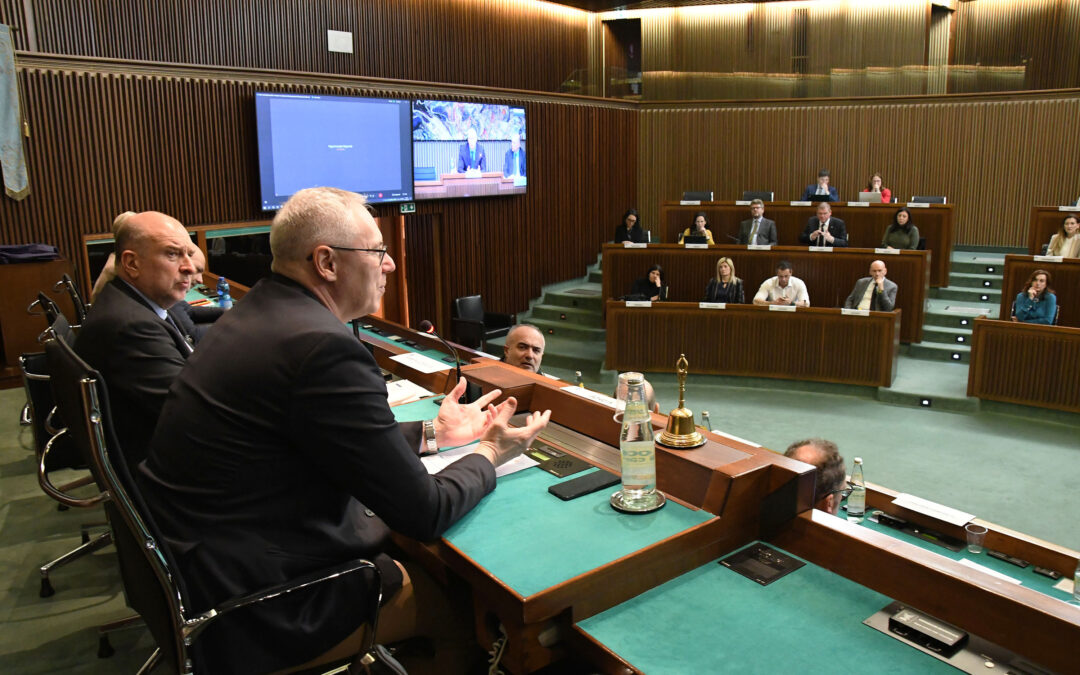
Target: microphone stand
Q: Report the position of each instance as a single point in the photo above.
(429, 328)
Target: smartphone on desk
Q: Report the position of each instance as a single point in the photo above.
(583, 485)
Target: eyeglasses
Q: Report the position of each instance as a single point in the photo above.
(381, 251)
(844, 492)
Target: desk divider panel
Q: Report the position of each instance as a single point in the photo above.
(1065, 281)
(829, 277)
(1025, 363)
(866, 225)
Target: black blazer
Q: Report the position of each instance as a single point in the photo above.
(646, 289)
(714, 292)
(138, 354)
(636, 234)
(277, 455)
(837, 229)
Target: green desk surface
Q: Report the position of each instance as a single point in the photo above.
(1025, 575)
(430, 353)
(417, 411)
(714, 620)
(193, 295)
(237, 231)
(531, 540)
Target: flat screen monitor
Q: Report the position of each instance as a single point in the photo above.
(352, 143)
(873, 197)
(468, 150)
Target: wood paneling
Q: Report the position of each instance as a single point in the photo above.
(182, 140)
(1025, 363)
(992, 158)
(1065, 281)
(865, 226)
(829, 277)
(754, 341)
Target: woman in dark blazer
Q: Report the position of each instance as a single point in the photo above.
(652, 287)
(725, 287)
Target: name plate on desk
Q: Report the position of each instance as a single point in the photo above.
(631, 244)
(802, 203)
(854, 312)
(420, 362)
(917, 205)
(690, 202)
(821, 249)
(1047, 258)
(933, 509)
(639, 303)
(887, 251)
(594, 396)
(712, 305)
(742, 202)
(759, 247)
(781, 308)
(696, 245)
(867, 204)
(1069, 209)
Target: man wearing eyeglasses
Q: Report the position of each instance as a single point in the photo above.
(831, 485)
(277, 456)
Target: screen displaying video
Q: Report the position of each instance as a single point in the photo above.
(467, 150)
(352, 143)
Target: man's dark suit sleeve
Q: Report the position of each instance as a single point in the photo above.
(853, 298)
(811, 225)
(887, 300)
(143, 362)
(840, 236)
(770, 231)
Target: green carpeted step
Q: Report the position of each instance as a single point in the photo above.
(937, 352)
(993, 266)
(581, 317)
(946, 336)
(596, 276)
(586, 296)
(572, 331)
(966, 295)
(975, 281)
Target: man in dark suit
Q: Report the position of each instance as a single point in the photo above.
(874, 292)
(277, 454)
(823, 229)
(128, 334)
(514, 160)
(821, 191)
(757, 229)
(471, 154)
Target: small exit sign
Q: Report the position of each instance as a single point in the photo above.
(408, 207)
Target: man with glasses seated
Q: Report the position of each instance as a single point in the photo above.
(831, 487)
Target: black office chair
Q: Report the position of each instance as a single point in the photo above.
(66, 284)
(697, 196)
(473, 327)
(152, 582)
(922, 244)
(749, 195)
(928, 199)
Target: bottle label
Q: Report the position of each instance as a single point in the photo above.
(638, 463)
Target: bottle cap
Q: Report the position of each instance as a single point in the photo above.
(858, 460)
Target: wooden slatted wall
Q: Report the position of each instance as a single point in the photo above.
(993, 157)
(182, 141)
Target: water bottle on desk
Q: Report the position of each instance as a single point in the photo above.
(638, 452)
(856, 501)
(224, 299)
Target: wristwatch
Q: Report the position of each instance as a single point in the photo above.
(430, 446)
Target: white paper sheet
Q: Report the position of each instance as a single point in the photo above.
(436, 463)
(404, 391)
(420, 362)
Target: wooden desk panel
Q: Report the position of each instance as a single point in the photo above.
(1045, 221)
(829, 277)
(866, 225)
(1025, 363)
(808, 344)
(19, 330)
(1065, 282)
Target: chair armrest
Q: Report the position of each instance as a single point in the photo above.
(497, 320)
(58, 494)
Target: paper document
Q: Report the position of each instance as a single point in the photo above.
(976, 566)
(436, 463)
(405, 391)
(1065, 584)
(933, 509)
(420, 362)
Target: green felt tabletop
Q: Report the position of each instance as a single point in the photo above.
(417, 411)
(714, 620)
(237, 231)
(430, 353)
(193, 295)
(1025, 575)
(531, 540)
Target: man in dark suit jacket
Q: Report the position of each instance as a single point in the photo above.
(277, 454)
(821, 191)
(471, 154)
(766, 229)
(128, 334)
(515, 149)
(824, 230)
(874, 292)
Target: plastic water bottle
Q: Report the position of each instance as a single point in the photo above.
(638, 451)
(1076, 583)
(856, 502)
(224, 299)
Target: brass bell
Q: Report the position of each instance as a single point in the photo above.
(681, 432)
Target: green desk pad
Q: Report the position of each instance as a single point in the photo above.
(531, 540)
(430, 353)
(713, 619)
(193, 295)
(417, 411)
(1025, 575)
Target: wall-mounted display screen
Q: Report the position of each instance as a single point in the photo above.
(467, 149)
(357, 144)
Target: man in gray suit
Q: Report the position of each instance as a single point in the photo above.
(874, 292)
(757, 229)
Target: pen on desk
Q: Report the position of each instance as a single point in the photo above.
(202, 301)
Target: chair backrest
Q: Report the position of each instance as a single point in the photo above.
(922, 244)
(68, 285)
(147, 570)
(1057, 314)
(469, 307)
(697, 196)
(48, 307)
(928, 199)
(763, 195)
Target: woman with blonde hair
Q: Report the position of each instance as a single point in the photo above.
(725, 287)
(1066, 241)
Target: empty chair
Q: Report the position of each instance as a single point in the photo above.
(928, 199)
(763, 195)
(697, 196)
(473, 327)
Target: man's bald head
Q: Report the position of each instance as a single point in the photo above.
(153, 254)
(524, 347)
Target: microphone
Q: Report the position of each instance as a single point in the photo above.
(429, 328)
(734, 239)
